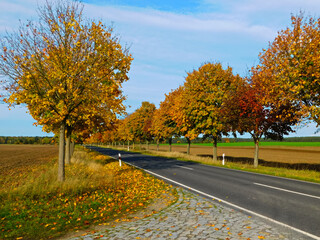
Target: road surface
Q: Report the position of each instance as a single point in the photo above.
(293, 204)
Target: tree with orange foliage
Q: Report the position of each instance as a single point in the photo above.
(292, 63)
(178, 113)
(249, 109)
(140, 122)
(206, 91)
(63, 67)
(163, 125)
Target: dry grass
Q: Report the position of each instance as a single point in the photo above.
(304, 174)
(31, 169)
(96, 190)
(19, 162)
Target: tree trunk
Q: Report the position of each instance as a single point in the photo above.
(133, 145)
(68, 150)
(170, 144)
(188, 148)
(71, 149)
(148, 145)
(256, 153)
(158, 145)
(61, 173)
(215, 151)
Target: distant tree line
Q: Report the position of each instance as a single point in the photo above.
(27, 140)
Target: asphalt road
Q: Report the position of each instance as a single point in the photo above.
(293, 204)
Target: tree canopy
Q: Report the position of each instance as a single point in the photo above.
(67, 70)
(291, 64)
(206, 91)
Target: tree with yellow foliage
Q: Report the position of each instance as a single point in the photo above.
(64, 68)
(140, 123)
(291, 65)
(206, 91)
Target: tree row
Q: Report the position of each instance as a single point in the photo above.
(278, 94)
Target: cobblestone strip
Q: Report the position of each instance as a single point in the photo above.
(193, 217)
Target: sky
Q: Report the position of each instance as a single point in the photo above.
(167, 39)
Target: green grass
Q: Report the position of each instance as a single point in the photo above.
(96, 191)
(251, 144)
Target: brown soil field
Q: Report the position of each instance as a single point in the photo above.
(290, 157)
(16, 158)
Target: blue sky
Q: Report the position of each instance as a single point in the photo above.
(169, 38)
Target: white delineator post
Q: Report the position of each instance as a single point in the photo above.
(119, 159)
(223, 159)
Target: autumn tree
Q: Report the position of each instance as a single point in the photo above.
(292, 62)
(121, 133)
(140, 122)
(206, 91)
(128, 135)
(249, 108)
(157, 126)
(64, 66)
(183, 122)
(163, 124)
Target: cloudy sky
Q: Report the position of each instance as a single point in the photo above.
(169, 38)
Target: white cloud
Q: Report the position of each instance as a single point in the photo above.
(11, 11)
(253, 6)
(213, 23)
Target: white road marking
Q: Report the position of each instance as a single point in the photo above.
(285, 190)
(230, 204)
(184, 167)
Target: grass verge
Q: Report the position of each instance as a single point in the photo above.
(304, 175)
(96, 191)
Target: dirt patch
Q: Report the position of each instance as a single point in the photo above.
(282, 156)
(15, 157)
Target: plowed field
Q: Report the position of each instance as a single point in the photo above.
(292, 157)
(14, 158)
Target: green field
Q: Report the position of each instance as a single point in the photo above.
(251, 144)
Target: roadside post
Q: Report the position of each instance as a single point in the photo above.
(119, 159)
(223, 159)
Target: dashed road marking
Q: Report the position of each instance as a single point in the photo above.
(286, 190)
(184, 167)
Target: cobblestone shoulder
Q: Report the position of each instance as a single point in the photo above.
(194, 217)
